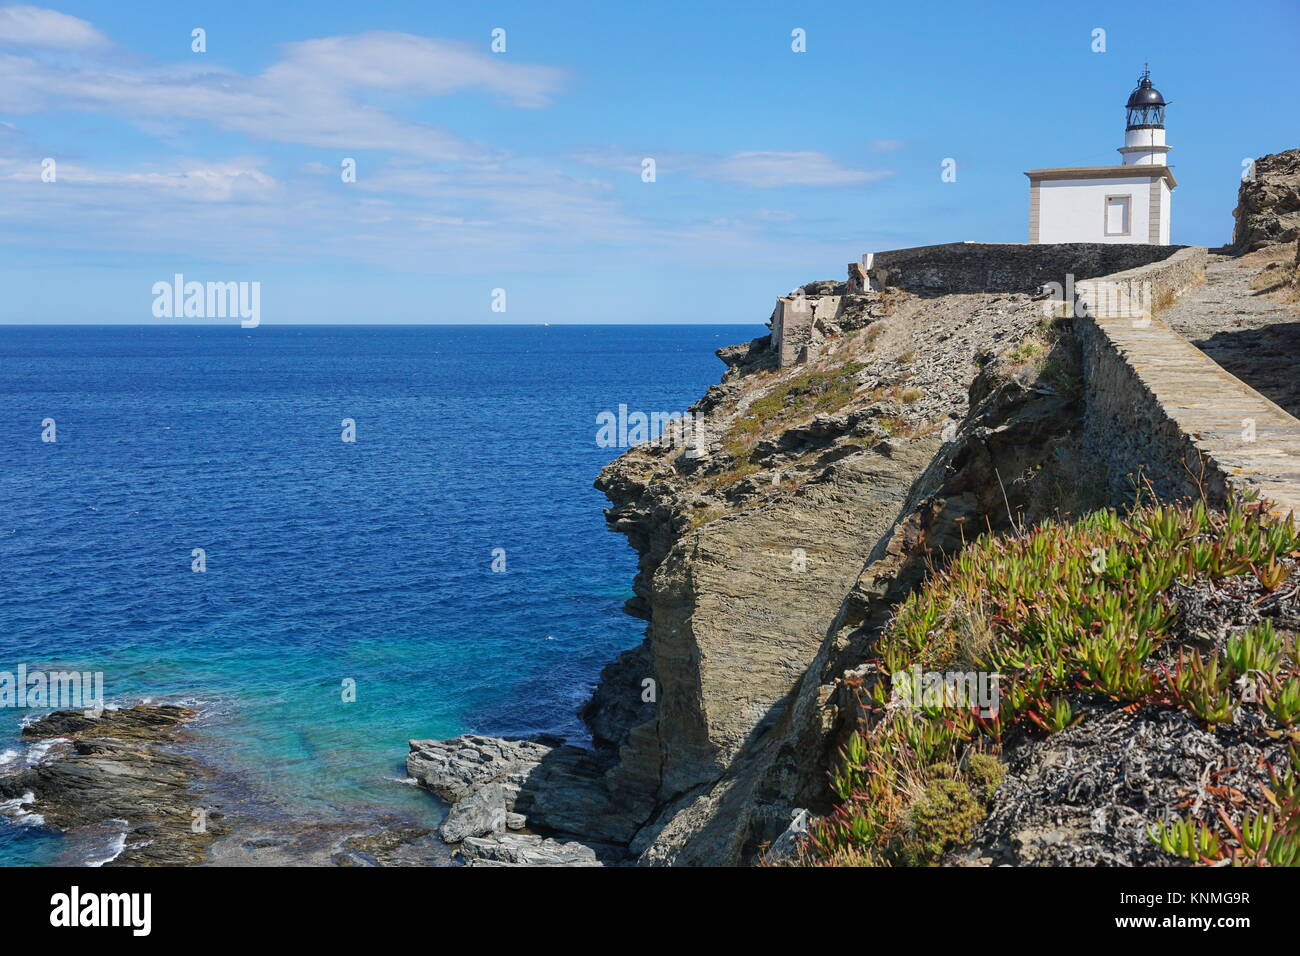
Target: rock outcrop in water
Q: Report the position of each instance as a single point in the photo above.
(119, 772)
(497, 787)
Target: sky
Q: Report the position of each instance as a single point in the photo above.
(523, 169)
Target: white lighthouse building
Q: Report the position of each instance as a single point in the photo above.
(1125, 203)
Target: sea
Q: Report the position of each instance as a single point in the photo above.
(328, 539)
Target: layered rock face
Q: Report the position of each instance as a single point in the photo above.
(1268, 204)
(769, 548)
(824, 524)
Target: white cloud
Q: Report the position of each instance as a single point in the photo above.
(400, 62)
(762, 170)
(309, 96)
(26, 26)
(886, 145)
(768, 170)
(191, 179)
(520, 193)
(201, 181)
(399, 214)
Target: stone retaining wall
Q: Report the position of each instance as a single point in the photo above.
(1141, 292)
(957, 267)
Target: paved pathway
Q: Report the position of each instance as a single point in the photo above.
(1252, 336)
(1242, 371)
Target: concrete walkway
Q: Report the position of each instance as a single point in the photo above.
(1254, 337)
(1216, 409)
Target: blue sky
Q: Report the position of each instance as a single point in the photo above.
(522, 170)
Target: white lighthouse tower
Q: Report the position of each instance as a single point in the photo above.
(1126, 203)
(1144, 136)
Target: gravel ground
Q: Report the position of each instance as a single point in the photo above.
(1254, 337)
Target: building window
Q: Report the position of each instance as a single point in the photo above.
(1117, 215)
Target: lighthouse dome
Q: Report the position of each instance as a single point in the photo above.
(1146, 107)
(1145, 95)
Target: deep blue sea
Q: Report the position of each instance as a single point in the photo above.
(326, 561)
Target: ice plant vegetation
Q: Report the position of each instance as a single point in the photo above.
(1076, 617)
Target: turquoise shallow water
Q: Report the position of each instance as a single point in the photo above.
(326, 560)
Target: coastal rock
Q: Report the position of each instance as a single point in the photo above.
(741, 605)
(526, 849)
(252, 840)
(759, 592)
(618, 703)
(120, 770)
(748, 356)
(481, 813)
(556, 787)
(1268, 204)
(786, 847)
(144, 722)
(455, 769)
(405, 846)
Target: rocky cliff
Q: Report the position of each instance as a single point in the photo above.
(769, 548)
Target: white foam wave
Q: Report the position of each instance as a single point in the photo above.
(14, 809)
(38, 752)
(115, 846)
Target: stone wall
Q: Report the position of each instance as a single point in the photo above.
(967, 267)
(799, 322)
(1137, 293)
(1127, 428)
(795, 321)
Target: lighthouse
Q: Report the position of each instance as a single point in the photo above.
(1144, 136)
(1127, 203)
